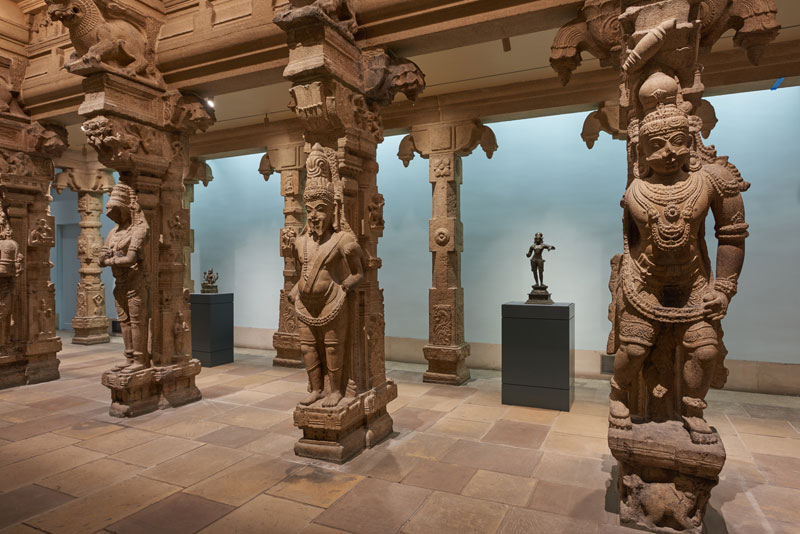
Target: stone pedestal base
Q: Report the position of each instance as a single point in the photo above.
(152, 389)
(539, 295)
(337, 434)
(665, 480)
(12, 370)
(90, 330)
(212, 328)
(446, 365)
(287, 347)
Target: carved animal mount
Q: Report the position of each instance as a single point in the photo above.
(108, 35)
(338, 12)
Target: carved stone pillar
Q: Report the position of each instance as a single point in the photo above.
(290, 161)
(28, 341)
(337, 91)
(667, 299)
(199, 172)
(444, 145)
(142, 130)
(90, 180)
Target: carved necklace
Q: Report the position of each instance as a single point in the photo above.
(673, 231)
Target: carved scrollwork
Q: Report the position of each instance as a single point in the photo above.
(442, 324)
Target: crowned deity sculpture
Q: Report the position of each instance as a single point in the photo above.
(668, 303)
(10, 269)
(331, 261)
(209, 283)
(124, 253)
(539, 295)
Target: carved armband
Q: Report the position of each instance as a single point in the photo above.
(734, 231)
(727, 285)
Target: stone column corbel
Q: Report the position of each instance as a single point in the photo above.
(444, 144)
(82, 173)
(289, 160)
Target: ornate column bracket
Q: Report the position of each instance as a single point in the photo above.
(199, 172)
(82, 173)
(289, 160)
(667, 301)
(444, 144)
(141, 130)
(28, 340)
(337, 93)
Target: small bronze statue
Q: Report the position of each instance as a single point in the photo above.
(539, 294)
(209, 284)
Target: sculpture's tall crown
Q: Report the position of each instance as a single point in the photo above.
(319, 183)
(659, 98)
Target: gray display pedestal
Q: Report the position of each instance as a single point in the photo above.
(539, 355)
(212, 328)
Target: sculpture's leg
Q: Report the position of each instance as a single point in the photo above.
(308, 348)
(627, 364)
(541, 273)
(701, 341)
(334, 359)
(138, 319)
(121, 301)
(535, 270)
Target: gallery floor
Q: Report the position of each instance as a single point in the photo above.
(459, 461)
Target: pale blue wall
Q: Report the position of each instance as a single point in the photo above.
(542, 179)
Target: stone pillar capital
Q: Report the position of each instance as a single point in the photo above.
(455, 137)
(83, 173)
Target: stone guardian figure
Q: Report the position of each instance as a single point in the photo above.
(331, 263)
(10, 269)
(124, 253)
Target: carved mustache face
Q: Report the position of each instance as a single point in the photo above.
(666, 154)
(319, 217)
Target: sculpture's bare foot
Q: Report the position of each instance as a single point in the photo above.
(332, 400)
(699, 430)
(312, 397)
(119, 367)
(619, 416)
(135, 367)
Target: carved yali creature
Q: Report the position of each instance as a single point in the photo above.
(124, 253)
(667, 294)
(110, 35)
(332, 267)
(337, 12)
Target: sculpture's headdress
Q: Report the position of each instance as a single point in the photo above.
(323, 183)
(125, 195)
(659, 98)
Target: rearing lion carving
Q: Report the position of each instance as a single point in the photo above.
(109, 34)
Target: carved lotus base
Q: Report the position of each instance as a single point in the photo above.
(446, 364)
(12, 370)
(337, 434)
(287, 347)
(665, 480)
(155, 388)
(539, 295)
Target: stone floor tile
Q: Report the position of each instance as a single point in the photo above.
(485, 398)
(119, 441)
(516, 434)
(250, 417)
(408, 418)
(400, 402)
(24, 414)
(781, 527)
(61, 403)
(6, 407)
(22, 528)
(14, 451)
(526, 521)
(592, 426)
(574, 501)
(499, 487)
(313, 528)
(618, 529)
(28, 501)
(454, 392)
(45, 465)
(778, 470)
(589, 408)
(231, 436)
(459, 428)
(282, 402)
(531, 415)
(38, 426)
(764, 427)
(177, 514)
(192, 428)
(577, 445)
(193, 466)
(387, 465)
(245, 397)
(277, 387)
(490, 457)
(428, 446)
(770, 412)
(744, 471)
(272, 444)
(374, 507)
(778, 503)
(102, 508)
(156, 451)
(266, 514)
(413, 389)
(88, 430)
(771, 445)
(91, 477)
(435, 402)
(476, 412)
(244, 480)
(315, 486)
(439, 476)
(155, 421)
(574, 470)
(445, 513)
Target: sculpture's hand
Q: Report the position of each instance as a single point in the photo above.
(715, 305)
